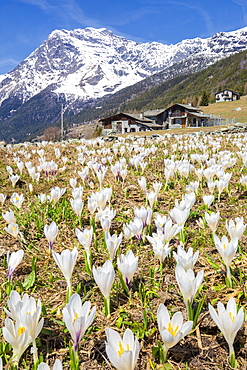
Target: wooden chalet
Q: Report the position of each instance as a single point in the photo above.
(128, 122)
(182, 115)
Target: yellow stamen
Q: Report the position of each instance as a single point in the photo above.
(231, 316)
(121, 349)
(21, 330)
(76, 316)
(172, 330)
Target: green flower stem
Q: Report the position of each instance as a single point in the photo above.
(164, 354)
(182, 236)
(228, 277)
(107, 307)
(161, 271)
(68, 293)
(124, 286)
(74, 358)
(88, 264)
(232, 359)
(190, 311)
(35, 352)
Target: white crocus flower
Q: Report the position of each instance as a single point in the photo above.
(180, 215)
(20, 166)
(12, 229)
(72, 183)
(2, 198)
(66, 262)
(112, 242)
(123, 353)
(13, 260)
(228, 320)
(77, 318)
(157, 186)
(30, 317)
(127, 265)
(212, 220)
(51, 232)
(85, 238)
(188, 283)
(15, 303)
(77, 205)
(77, 192)
(171, 330)
(170, 231)
(127, 232)
(186, 259)
(136, 227)
(151, 197)
(14, 179)
(9, 217)
(17, 335)
(9, 170)
(42, 197)
(227, 251)
(160, 221)
(17, 199)
(104, 277)
(208, 199)
(236, 228)
(160, 247)
(143, 184)
(100, 198)
(57, 366)
(57, 193)
(144, 214)
(92, 205)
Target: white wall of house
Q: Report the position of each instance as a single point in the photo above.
(121, 127)
(226, 95)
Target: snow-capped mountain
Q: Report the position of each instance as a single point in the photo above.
(90, 63)
(78, 67)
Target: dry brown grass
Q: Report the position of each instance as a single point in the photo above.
(228, 109)
(204, 348)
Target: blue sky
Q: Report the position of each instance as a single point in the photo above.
(25, 24)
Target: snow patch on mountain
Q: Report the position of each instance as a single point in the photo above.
(90, 63)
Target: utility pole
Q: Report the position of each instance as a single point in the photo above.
(62, 122)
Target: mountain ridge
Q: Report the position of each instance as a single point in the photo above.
(78, 68)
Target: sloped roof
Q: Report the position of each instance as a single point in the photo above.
(188, 107)
(136, 116)
(200, 115)
(154, 112)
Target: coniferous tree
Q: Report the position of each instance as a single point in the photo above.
(204, 100)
